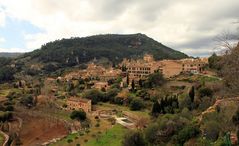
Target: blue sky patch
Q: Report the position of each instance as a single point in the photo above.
(13, 33)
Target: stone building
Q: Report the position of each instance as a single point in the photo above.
(110, 74)
(193, 65)
(76, 103)
(101, 85)
(138, 69)
(94, 71)
(170, 68)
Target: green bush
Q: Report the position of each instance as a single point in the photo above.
(151, 134)
(211, 130)
(136, 104)
(69, 140)
(94, 95)
(78, 115)
(134, 138)
(27, 100)
(186, 133)
(5, 116)
(154, 80)
(205, 92)
(9, 108)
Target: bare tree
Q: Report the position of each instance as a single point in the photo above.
(228, 43)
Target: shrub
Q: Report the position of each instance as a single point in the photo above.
(205, 92)
(81, 133)
(118, 100)
(99, 132)
(211, 130)
(94, 95)
(186, 133)
(151, 134)
(136, 104)
(143, 94)
(154, 80)
(134, 138)
(110, 94)
(87, 131)
(205, 103)
(69, 140)
(235, 118)
(9, 108)
(5, 116)
(27, 100)
(79, 115)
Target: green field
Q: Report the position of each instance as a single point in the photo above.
(112, 137)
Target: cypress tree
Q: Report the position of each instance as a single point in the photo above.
(192, 93)
(133, 85)
(156, 108)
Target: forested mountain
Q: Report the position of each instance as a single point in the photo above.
(114, 47)
(66, 53)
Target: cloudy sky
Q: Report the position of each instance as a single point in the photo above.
(189, 26)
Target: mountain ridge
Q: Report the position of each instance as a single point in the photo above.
(115, 47)
(110, 49)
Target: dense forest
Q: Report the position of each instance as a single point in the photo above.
(113, 47)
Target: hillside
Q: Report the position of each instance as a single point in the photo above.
(73, 51)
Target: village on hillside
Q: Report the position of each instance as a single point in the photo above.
(119, 73)
(82, 105)
(129, 71)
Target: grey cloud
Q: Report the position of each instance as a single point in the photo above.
(187, 25)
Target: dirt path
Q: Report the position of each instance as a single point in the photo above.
(213, 107)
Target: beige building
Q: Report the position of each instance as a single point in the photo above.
(170, 68)
(137, 69)
(193, 65)
(76, 103)
(94, 71)
(110, 74)
(101, 85)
